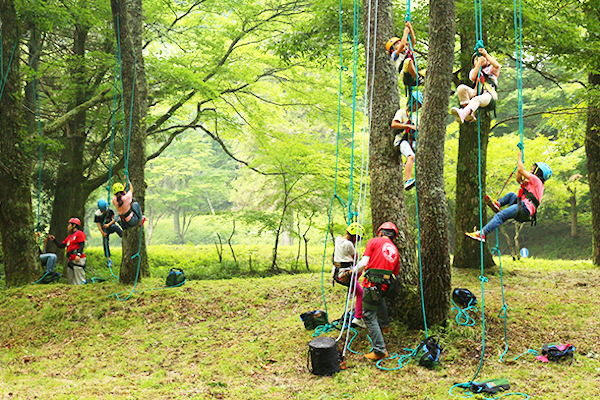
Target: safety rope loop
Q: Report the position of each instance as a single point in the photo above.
(462, 314)
(503, 312)
(344, 68)
(483, 279)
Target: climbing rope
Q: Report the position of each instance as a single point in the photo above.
(5, 76)
(462, 314)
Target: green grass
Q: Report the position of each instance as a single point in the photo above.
(242, 339)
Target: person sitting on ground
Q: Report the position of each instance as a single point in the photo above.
(344, 252)
(75, 243)
(407, 140)
(104, 218)
(380, 260)
(522, 206)
(486, 84)
(129, 211)
(402, 57)
(48, 259)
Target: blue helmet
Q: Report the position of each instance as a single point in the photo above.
(418, 96)
(546, 170)
(102, 205)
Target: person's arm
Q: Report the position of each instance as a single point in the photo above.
(522, 173)
(401, 125)
(475, 71)
(360, 266)
(490, 59)
(100, 228)
(413, 37)
(58, 244)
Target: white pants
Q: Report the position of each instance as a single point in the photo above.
(468, 96)
(76, 273)
(406, 149)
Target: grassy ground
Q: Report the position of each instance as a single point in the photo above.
(243, 339)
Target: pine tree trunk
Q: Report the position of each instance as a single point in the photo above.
(128, 17)
(592, 151)
(387, 190)
(467, 252)
(433, 211)
(21, 258)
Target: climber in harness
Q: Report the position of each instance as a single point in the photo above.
(75, 242)
(129, 211)
(522, 207)
(403, 58)
(381, 264)
(483, 95)
(343, 259)
(104, 218)
(407, 138)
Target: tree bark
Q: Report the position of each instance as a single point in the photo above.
(21, 259)
(573, 208)
(128, 20)
(387, 192)
(592, 151)
(467, 252)
(433, 211)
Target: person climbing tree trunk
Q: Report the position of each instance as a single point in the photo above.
(433, 212)
(466, 214)
(592, 151)
(387, 194)
(128, 20)
(20, 255)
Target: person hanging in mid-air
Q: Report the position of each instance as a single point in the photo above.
(403, 58)
(129, 211)
(522, 206)
(485, 74)
(75, 243)
(104, 218)
(344, 253)
(407, 140)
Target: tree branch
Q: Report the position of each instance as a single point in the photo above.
(71, 114)
(557, 112)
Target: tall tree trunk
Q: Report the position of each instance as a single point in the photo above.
(387, 193)
(573, 207)
(21, 259)
(592, 151)
(433, 212)
(128, 20)
(466, 250)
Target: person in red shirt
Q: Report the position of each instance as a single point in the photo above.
(75, 242)
(380, 261)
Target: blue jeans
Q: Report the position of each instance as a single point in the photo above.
(374, 319)
(114, 228)
(49, 259)
(510, 200)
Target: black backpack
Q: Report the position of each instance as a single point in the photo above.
(428, 353)
(558, 352)
(463, 297)
(312, 319)
(176, 277)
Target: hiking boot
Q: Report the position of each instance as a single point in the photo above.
(409, 184)
(476, 235)
(456, 113)
(359, 322)
(386, 330)
(494, 205)
(374, 356)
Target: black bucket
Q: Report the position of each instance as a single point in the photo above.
(323, 356)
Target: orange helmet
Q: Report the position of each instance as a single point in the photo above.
(390, 44)
(388, 225)
(75, 221)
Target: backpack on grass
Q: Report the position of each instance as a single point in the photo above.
(491, 386)
(464, 297)
(557, 352)
(176, 277)
(312, 319)
(49, 277)
(428, 353)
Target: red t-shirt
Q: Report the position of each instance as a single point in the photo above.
(383, 254)
(73, 243)
(535, 187)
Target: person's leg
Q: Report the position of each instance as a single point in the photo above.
(106, 245)
(114, 228)
(478, 101)
(370, 320)
(464, 94)
(407, 152)
(50, 261)
(78, 275)
(409, 66)
(508, 199)
(500, 218)
(382, 315)
(359, 297)
(70, 274)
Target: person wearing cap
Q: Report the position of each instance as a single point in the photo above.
(75, 242)
(129, 211)
(522, 206)
(344, 252)
(104, 218)
(380, 261)
(403, 58)
(406, 140)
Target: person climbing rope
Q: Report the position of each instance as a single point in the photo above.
(104, 218)
(484, 94)
(380, 261)
(523, 206)
(129, 211)
(343, 258)
(75, 242)
(407, 140)
(403, 57)
(48, 259)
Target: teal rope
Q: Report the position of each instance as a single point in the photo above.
(403, 360)
(356, 33)
(530, 351)
(151, 289)
(5, 77)
(503, 314)
(469, 394)
(39, 280)
(325, 328)
(462, 314)
(137, 273)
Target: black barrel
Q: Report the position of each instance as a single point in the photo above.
(323, 356)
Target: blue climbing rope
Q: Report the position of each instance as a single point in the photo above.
(462, 314)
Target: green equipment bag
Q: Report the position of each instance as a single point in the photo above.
(428, 353)
(312, 319)
(49, 277)
(491, 386)
(176, 277)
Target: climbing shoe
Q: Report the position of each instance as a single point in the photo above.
(374, 356)
(476, 235)
(409, 184)
(492, 204)
(358, 322)
(386, 330)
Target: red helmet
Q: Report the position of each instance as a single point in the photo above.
(75, 221)
(388, 225)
